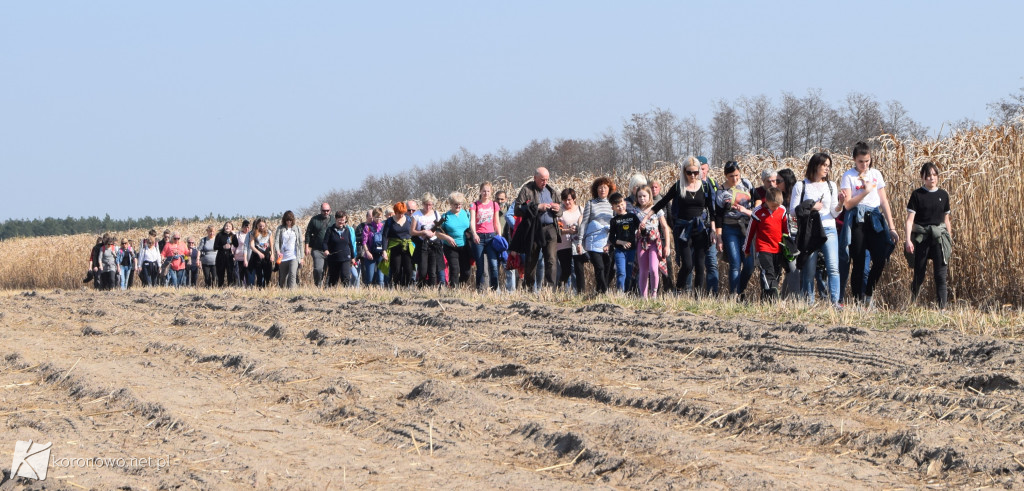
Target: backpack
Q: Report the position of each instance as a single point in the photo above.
(376, 243)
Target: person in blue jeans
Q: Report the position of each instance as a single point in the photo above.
(819, 194)
(711, 262)
(622, 230)
(372, 249)
(484, 219)
(733, 209)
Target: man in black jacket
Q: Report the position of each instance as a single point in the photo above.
(538, 207)
(315, 231)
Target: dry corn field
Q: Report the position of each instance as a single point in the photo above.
(359, 388)
(980, 168)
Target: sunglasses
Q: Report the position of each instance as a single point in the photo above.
(693, 172)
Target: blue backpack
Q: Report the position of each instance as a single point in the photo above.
(376, 245)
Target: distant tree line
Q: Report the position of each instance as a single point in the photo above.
(788, 126)
(90, 225)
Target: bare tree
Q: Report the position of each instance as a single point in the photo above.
(818, 120)
(637, 141)
(1010, 110)
(570, 156)
(759, 121)
(861, 118)
(665, 135)
(725, 133)
(898, 122)
(788, 120)
(692, 137)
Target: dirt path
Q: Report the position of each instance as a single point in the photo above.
(236, 390)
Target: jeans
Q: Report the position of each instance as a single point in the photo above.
(741, 267)
(126, 272)
(810, 268)
(711, 268)
(176, 278)
(371, 274)
(624, 268)
(246, 276)
(480, 251)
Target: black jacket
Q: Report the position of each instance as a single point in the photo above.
(339, 247)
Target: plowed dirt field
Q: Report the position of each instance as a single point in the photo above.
(411, 390)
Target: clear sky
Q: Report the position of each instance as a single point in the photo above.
(254, 107)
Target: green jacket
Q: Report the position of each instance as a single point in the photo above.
(316, 229)
(937, 233)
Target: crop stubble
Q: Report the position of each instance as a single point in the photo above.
(317, 390)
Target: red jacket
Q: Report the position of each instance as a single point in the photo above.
(766, 229)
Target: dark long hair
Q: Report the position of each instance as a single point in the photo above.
(817, 160)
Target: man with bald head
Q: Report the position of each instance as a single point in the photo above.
(538, 208)
(315, 231)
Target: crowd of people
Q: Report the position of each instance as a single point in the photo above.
(801, 238)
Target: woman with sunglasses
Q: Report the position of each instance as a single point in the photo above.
(694, 220)
(127, 262)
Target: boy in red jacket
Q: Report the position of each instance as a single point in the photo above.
(764, 237)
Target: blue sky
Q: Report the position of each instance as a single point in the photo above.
(254, 107)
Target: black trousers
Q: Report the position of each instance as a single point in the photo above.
(209, 274)
(929, 249)
(431, 262)
(771, 264)
(602, 262)
(569, 264)
(150, 274)
(691, 256)
(400, 266)
(107, 279)
(339, 271)
(548, 247)
(863, 237)
(225, 268)
(458, 264)
(263, 269)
